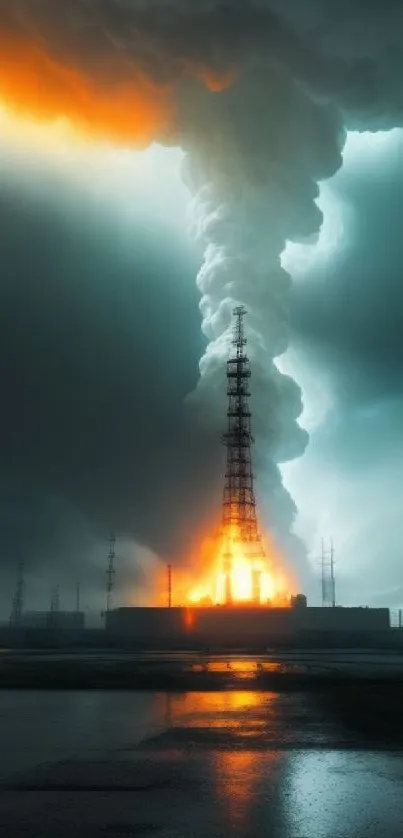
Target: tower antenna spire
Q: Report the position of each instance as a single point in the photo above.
(328, 575)
(110, 573)
(18, 598)
(239, 519)
(55, 600)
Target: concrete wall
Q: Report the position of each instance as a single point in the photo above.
(238, 626)
(341, 619)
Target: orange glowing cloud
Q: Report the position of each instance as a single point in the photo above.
(37, 87)
(216, 82)
(125, 107)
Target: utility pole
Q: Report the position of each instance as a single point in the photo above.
(78, 597)
(55, 600)
(169, 569)
(328, 576)
(110, 573)
(18, 598)
(332, 576)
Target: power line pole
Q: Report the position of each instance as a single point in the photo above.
(55, 600)
(110, 573)
(18, 598)
(328, 576)
(78, 597)
(332, 576)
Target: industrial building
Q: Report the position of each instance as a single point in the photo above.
(242, 626)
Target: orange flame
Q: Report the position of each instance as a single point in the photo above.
(273, 582)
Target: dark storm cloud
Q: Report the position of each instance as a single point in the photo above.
(94, 375)
(350, 49)
(348, 312)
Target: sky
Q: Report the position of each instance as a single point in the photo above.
(158, 176)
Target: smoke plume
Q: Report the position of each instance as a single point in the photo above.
(258, 94)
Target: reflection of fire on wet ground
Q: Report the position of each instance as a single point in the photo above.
(244, 668)
(241, 720)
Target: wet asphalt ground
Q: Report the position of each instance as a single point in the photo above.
(236, 762)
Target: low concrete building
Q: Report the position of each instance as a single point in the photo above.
(240, 627)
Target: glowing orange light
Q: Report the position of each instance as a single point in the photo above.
(273, 584)
(124, 107)
(216, 82)
(34, 85)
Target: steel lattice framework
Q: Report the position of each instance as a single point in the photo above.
(239, 518)
(18, 599)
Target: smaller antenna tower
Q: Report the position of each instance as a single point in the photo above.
(77, 597)
(328, 577)
(55, 600)
(18, 598)
(110, 573)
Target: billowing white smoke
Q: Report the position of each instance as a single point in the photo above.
(244, 211)
(237, 271)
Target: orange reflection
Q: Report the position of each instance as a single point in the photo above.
(236, 775)
(234, 723)
(237, 711)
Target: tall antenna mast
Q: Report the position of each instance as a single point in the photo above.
(18, 598)
(328, 578)
(332, 576)
(55, 600)
(77, 597)
(239, 520)
(110, 573)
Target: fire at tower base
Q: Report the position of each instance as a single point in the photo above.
(244, 570)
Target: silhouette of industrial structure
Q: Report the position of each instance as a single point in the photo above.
(17, 607)
(110, 572)
(55, 600)
(328, 577)
(239, 519)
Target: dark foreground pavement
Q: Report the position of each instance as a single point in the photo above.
(230, 763)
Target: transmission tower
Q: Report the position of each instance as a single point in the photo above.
(328, 577)
(239, 519)
(77, 597)
(55, 600)
(110, 573)
(18, 598)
